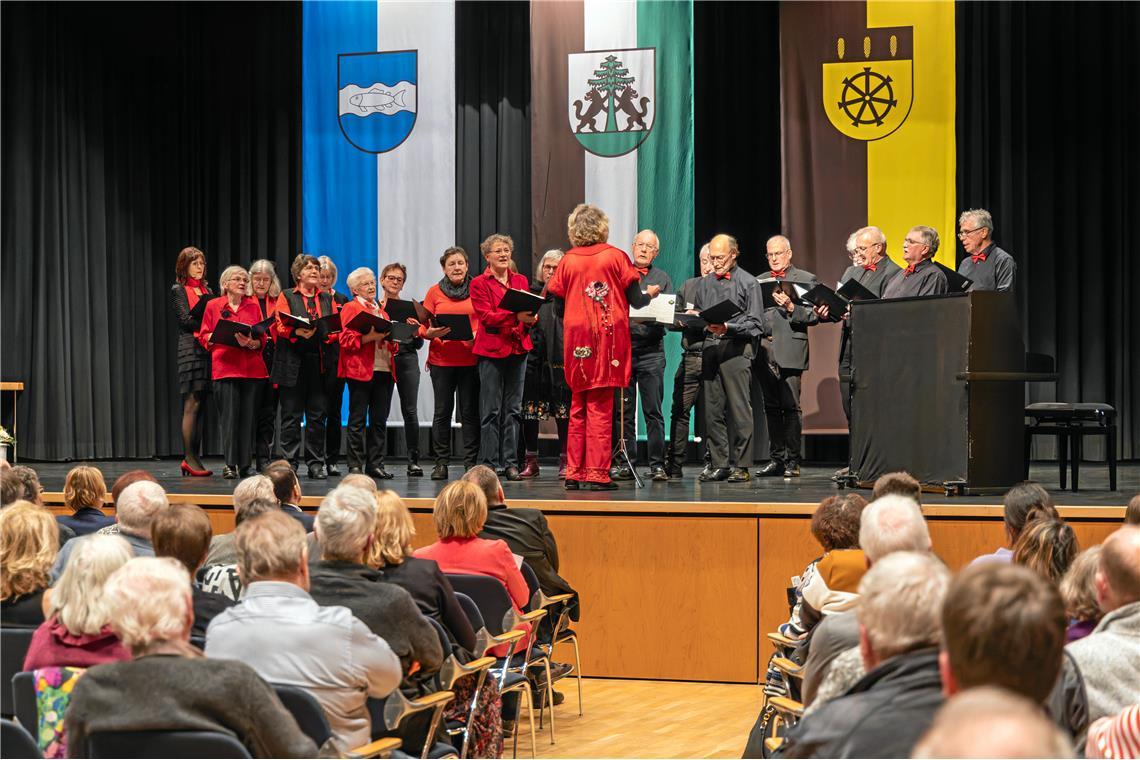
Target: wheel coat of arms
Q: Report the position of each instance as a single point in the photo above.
(611, 99)
(868, 91)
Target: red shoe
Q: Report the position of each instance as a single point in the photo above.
(531, 468)
(188, 470)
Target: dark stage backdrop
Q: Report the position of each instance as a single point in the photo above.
(1048, 108)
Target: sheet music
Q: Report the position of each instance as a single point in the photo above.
(661, 309)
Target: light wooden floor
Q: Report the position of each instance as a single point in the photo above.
(640, 719)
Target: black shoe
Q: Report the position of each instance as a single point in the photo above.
(677, 473)
(621, 473)
(261, 465)
(570, 485)
(792, 471)
(739, 475)
(658, 474)
(842, 473)
(771, 470)
(439, 472)
(379, 473)
(317, 472)
(248, 472)
(229, 473)
(512, 473)
(714, 474)
(355, 471)
(333, 471)
(414, 470)
(610, 486)
(705, 470)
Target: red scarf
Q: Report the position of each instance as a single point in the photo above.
(192, 295)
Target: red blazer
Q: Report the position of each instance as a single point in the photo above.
(500, 332)
(230, 362)
(357, 358)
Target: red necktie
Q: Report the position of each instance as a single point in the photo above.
(644, 270)
(725, 276)
(871, 267)
(909, 271)
(780, 275)
(978, 257)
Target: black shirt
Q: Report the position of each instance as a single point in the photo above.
(645, 337)
(740, 288)
(926, 280)
(433, 594)
(25, 611)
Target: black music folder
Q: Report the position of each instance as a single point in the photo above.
(853, 290)
(460, 325)
(399, 310)
(200, 308)
(958, 283)
(519, 301)
(363, 322)
(768, 287)
(226, 331)
(683, 321)
(821, 295)
(330, 323)
(721, 312)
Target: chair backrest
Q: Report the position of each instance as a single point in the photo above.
(441, 632)
(306, 710)
(489, 595)
(532, 586)
(16, 742)
(175, 745)
(24, 692)
(471, 610)
(14, 643)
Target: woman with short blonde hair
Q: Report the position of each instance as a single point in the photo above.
(29, 543)
(587, 225)
(83, 492)
(394, 531)
(266, 288)
(334, 384)
(77, 632)
(1078, 589)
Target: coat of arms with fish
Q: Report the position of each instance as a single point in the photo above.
(376, 101)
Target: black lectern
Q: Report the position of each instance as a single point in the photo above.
(938, 390)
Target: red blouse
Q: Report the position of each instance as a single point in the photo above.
(232, 362)
(501, 333)
(356, 357)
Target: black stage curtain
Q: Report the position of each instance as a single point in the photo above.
(737, 125)
(492, 68)
(130, 131)
(1047, 142)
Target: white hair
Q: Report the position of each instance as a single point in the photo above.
(138, 505)
(783, 241)
(265, 266)
(900, 602)
(229, 273)
(892, 524)
(253, 488)
(874, 232)
(345, 520)
(149, 602)
(357, 276)
(981, 217)
(77, 597)
(988, 721)
(327, 265)
(852, 242)
(554, 254)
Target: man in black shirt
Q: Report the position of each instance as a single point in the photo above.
(922, 277)
(687, 380)
(988, 266)
(648, 372)
(729, 348)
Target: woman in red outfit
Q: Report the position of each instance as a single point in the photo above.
(238, 370)
(266, 289)
(193, 360)
(597, 284)
(501, 346)
(451, 364)
(365, 363)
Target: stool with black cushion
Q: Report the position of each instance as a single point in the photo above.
(1071, 423)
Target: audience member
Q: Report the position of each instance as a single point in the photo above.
(345, 522)
(138, 505)
(890, 524)
(183, 532)
(897, 484)
(991, 722)
(1047, 547)
(282, 633)
(287, 489)
(22, 483)
(358, 480)
(77, 632)
(169, 684)
(1078, 590)
(1115, 737)
(886, 712)
(1132, 512)
(129, 478)
(1109, 656)
(1025, 503)
(1004, 625)
(29, 542)
(252, 496)
(83, 493)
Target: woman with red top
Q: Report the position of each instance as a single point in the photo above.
(406, 364)
(193, 360)
(334, 383)
(597, 284)
(238, 370)
(266, 288)
(451, 364)
(366, 365)
(501, 346)
(300, 360)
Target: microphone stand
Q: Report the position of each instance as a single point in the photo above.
(621, 449)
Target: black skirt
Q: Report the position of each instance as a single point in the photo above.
(193, 366)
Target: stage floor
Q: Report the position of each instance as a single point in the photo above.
(814, 485)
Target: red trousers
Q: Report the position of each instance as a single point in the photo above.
(590, 436)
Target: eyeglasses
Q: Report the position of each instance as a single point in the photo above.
(967, 233)
(908, 241)
(773, 255)
(646, 246)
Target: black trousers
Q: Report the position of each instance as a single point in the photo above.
(500, 409)
(686, 392)
(782, 410)
(446, 384)
(305, 399)
(266, 424)
(238, 401)
(647, 378)
(368, 402)
(726, 380)
(334, 392)
(408, 386)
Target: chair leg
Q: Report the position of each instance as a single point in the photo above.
(1076, 452)
(578, 671)
(1110, 449)
(549, 697)
(1063, 456)
(481, 680)
(530, 712)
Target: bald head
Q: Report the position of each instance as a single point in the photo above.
(645, 248)
(723, 250)
(992, 722)
(1118, 578)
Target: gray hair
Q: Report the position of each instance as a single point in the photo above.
(229, 273)
(77, 597)
(554, 254)
(892, 524)
(345, 521)
(874, 232)
(138, 505)
(988, 721)
(149, 602)
(782, 240)
(357, 276)
(327, 265)
(852, 242)
(929, 238)
(265, 266)
(981, 217)
(900, 602)
(253, 488)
